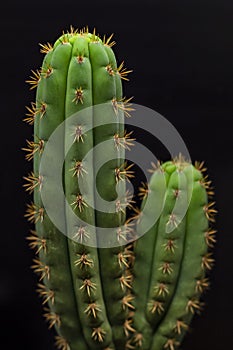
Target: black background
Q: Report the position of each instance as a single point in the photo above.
(181, 53)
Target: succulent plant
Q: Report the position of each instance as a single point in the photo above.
(142, 292)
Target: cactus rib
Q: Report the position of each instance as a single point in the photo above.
(57, 286)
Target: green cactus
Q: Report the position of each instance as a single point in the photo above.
(138, 295)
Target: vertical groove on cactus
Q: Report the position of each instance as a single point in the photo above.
(141, 295)
(106, 88)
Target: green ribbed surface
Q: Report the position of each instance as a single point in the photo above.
(137, 296)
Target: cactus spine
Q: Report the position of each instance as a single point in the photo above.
(134, 296)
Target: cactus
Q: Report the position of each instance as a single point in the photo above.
(138, 295)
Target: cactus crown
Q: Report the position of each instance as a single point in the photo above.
(138, 295)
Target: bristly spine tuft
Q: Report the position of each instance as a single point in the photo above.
(46, 294)
(32, 148)
(108, 41)
(45, 48)
(123, 72)
(36, 242)
(61, 343)
(52, 318)
(32, 182)
(98, 334)
(34, 79)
